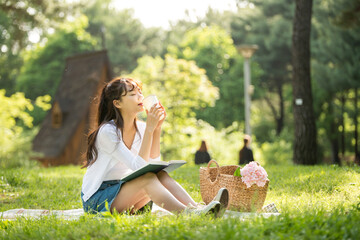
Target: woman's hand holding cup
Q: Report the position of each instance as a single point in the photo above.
(155, 112)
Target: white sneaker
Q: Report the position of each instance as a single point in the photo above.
(212, 208)
(223, 197)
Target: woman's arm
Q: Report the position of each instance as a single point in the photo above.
(146, 144)
(151, 131)
(155, 147)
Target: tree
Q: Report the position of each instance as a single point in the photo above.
(305, 148)
(268, 25)
(211, 47)
(44, 65)
(124, 36)
(14, 111)
(349, 17)
(15, 122)
(17, 20)
(181, 87)
(335, 57)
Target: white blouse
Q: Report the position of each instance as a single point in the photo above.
(114, 159)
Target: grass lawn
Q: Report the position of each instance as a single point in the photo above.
(316, 202)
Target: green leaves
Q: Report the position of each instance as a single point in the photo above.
(181, 87)
(44, 65)
(122, 34)
(237, 172)
(14, 116)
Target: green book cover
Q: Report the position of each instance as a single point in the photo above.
(154, 166)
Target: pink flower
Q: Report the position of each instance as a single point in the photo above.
(253, 173)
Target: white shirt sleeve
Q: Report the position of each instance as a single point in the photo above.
(110, 142)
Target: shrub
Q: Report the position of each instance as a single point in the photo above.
(277, 152)
(15, 142)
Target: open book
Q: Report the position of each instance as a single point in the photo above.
(154, 166)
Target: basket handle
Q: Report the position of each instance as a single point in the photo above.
(217, 167)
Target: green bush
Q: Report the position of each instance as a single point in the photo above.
(16, 128)
(21, 152)
(278, 152)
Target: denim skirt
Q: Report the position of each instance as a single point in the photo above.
(105, 195)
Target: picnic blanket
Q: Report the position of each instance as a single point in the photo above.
(74, 214)
(71, 214)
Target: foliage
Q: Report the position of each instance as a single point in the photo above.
(273, 148)
(207, 40)
(18, 20)
(336, 53)
(228, 138)
(19, 152)
(21, 17)
(212, 48)
(13, 109)
(14, 142)
(336, 50)
(231, 102)
(44, 65)
(273, 37)
(349, 17)
(124, 36)
(10, 64)
(277, 153)
(315, 202)
(181, 87)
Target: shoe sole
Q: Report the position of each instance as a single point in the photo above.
(224, 201)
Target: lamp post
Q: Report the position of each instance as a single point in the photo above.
(247, 51)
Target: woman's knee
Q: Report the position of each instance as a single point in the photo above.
(162, 174)
(149, 175)
(148, 178)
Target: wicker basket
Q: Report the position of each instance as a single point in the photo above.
(241, 198)
(209, 181)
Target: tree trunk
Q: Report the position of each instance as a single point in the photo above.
(335, 151)
(280, 119)
(304, 120)
(342, 99)
(357, 156)
(334, 135)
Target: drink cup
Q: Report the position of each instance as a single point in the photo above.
(150, 101)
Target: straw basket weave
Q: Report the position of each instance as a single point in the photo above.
(241, 198)
(209, 181)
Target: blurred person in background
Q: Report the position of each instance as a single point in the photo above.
(202, 155)
(246, 154)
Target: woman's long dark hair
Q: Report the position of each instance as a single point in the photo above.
(114, 90)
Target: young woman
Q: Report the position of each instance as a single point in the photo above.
(122, 144)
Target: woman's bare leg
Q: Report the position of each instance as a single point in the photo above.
(133, 192)
(141, 203)
(175, 189)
